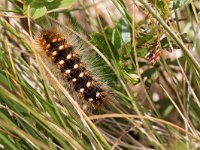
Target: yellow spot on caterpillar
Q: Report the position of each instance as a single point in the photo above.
(44, 42)
(54, 40)
(48, 46)
(59, 39)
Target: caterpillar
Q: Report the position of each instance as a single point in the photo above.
(62, 50)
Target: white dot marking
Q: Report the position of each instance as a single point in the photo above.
(69, 56)
(54, 53)
(81, 74)
(82, 90)
(61, 47)
(74, 80)
(88, 84)
(75, 66)
(67, 71)
(97, 94)
(90, 99)
(61, 62)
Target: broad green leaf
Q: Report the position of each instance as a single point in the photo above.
(39, 8)
(99, 40)
(39, 12)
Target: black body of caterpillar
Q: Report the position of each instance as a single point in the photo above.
(71, 67)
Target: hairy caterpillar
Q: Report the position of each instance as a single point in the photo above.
(66, 53)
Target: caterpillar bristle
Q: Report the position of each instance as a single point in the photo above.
(72, 67)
